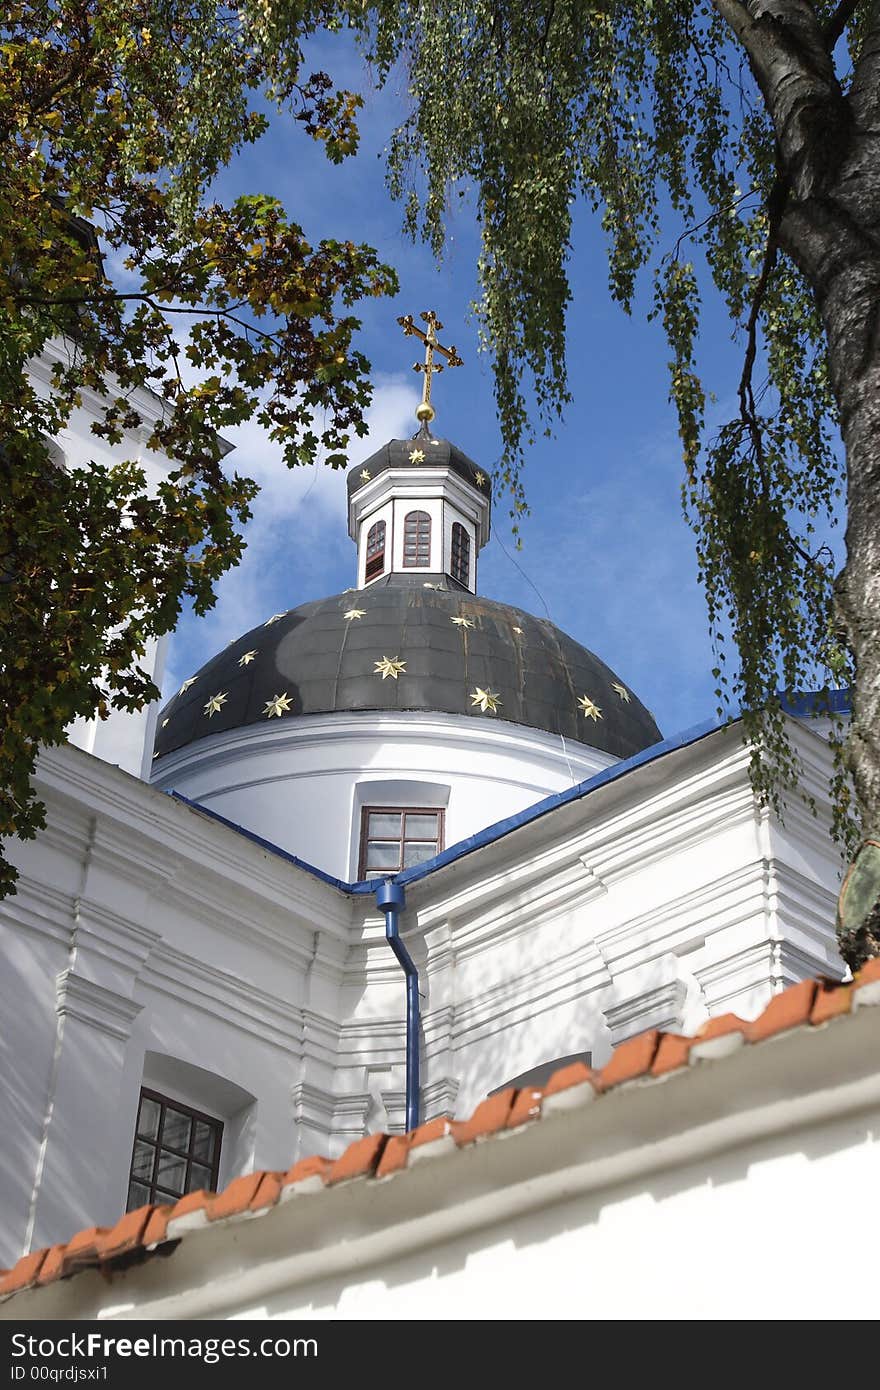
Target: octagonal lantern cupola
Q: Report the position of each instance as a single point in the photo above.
(420, 507)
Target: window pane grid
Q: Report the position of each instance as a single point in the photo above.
(461, 553)
(393, 839)
(417, 540)
(176, 1150)
(375, 557)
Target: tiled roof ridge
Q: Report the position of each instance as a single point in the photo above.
(646, 1057)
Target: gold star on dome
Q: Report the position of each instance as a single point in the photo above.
(389, 666)
(486, 699)
(366, 475)
(589, 708)
(277, 706)
(274, 619)
(215, 704)
(354, 613)
(186, 685)
(479, 478)
(461, 622)
(417, 456)
(247, 658)
(621, 690)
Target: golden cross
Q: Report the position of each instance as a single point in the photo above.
(424, 410)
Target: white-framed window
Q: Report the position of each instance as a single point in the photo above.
(416, 540)
(461, 554)
(375, 551)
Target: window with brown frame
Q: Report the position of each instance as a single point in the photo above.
(176, 1150)
(417, 540)
(375, 550)
(461, 554)
(397, 837)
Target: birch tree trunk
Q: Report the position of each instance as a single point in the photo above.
(828, 144)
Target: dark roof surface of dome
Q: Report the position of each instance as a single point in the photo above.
(447, 649)
(397, 453)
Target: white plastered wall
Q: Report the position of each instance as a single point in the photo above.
(298, 784)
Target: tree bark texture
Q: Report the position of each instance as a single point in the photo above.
(828, 146)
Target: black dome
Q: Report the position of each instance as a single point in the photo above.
(398, 453)
(320, 662)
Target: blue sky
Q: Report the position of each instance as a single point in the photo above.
(605, 545)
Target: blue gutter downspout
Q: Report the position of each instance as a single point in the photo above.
(391, 900)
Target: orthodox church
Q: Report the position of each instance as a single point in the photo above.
(388, 853)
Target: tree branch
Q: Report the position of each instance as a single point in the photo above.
(838, 22)
(82, 300)
(775, 208)
(698, 226)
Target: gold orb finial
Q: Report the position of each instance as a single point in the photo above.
(425, 412)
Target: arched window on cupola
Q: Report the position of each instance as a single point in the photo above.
(461, 554)
(375, 550)
(417, 540)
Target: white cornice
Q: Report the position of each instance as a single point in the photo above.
(420, 484)
(93, 1004)
(199, 985)
(682, 811)
(171, 834)
(251, 741)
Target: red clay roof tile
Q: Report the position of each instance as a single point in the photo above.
(489, 1116)
(305, 1168)
(236, 1198)
(831, 1001)
(23, 1274)
(527, 1106)
(575, 1074)
(52, 1266)
(359, 1160)
(126, 1235)
(718, 1027)
(82, 1249)
(268, 1192)
(157, 1223)
(787, 1010)
(395, 1155)
(193, 1201)
(630, 1060)
(869, 973)
(674, 1052)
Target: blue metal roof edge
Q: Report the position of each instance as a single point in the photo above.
(264, 844)
(550, 803)
(818, 702)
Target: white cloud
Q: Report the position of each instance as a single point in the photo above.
(299, 525)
